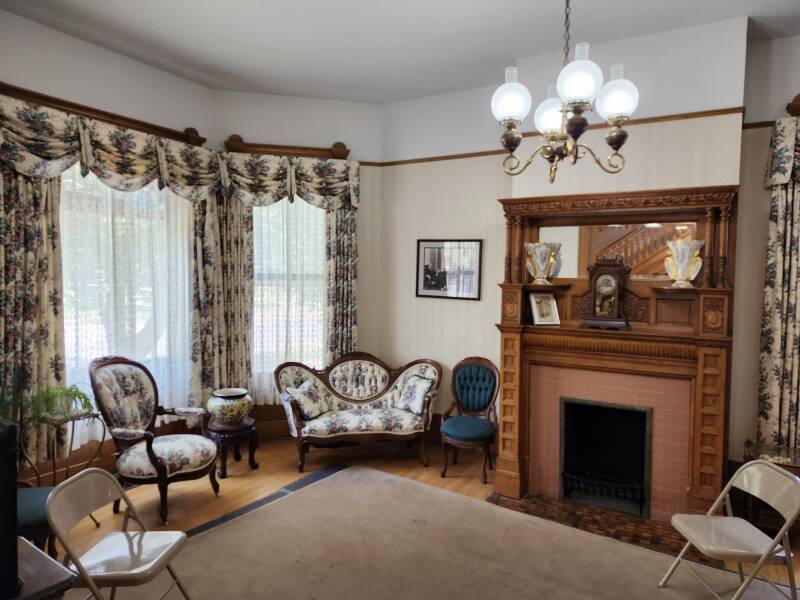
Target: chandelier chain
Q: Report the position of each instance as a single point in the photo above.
(567, 12)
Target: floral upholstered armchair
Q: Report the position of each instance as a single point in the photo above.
(358, 399)
(127, 396)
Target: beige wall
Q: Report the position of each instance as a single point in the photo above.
(751, 246)
(447, 199)
(458, 199)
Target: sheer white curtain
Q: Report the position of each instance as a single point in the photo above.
(127, 282)
(288, 289)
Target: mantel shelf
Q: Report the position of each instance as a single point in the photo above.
(692, 291)
(552, 288)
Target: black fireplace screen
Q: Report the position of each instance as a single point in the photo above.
(605, 454)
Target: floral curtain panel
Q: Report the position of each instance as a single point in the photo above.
(779, 377)
(40, 143)
(31, 328)
(342, 268)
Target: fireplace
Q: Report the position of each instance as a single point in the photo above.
(605, 454)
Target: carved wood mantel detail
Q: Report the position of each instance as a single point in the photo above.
(676, 333)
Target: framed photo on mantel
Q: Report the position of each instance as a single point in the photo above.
(449, 269)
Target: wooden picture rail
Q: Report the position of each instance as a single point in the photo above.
(235, 143)
(189, 135)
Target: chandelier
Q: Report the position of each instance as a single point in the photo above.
(560, 119)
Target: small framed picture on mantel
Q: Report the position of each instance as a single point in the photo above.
(449, 269)
(544, 309)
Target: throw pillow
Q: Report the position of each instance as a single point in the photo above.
(413, 394)
(311, 403)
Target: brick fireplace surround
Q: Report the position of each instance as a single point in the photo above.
(670, 400)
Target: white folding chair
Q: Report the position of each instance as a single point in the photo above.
(122, 558)
(730, 538)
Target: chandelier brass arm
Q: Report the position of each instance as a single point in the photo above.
(564, 145)
(614, 163)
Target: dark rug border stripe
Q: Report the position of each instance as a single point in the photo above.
(286, 490)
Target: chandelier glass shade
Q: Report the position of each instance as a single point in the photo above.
(560, 118)
(512, 100)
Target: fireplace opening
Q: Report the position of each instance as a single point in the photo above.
(605, 455)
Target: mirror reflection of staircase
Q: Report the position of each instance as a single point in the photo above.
(643, 248)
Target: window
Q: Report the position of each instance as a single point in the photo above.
(289, 290)
(126, 259)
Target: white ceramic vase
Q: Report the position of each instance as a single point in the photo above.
(543, 260)
(684, 262)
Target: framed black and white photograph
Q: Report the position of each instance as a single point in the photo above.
(544, 309)
(449, 269)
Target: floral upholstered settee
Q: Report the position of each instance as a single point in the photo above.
(358, 399)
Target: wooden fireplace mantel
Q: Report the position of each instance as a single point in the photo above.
(675, 333)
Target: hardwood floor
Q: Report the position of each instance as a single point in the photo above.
(192, 503)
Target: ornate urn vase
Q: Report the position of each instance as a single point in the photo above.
(229, 406)
(684, 262)
(543, 260)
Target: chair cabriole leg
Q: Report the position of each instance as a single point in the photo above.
(212, 476)
(162, 491)
(301, 456)
(423, 452)
(443, 470)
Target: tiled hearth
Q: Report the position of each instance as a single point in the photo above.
(670, 399)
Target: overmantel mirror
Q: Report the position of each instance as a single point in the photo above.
(641, 246)
(635, 229)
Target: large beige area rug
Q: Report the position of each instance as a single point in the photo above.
(362, 533)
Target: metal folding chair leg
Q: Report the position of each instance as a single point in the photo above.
(787, 551)
(178, 583)
(674, 566)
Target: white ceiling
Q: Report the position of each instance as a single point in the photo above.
(370, 50)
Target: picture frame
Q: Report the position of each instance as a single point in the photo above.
(544, 309)
(449, 268)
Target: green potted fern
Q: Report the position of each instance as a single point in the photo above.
(57, 405)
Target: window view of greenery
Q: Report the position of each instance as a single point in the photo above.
(126, 273)
(289, 289)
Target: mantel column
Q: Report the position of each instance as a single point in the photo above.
(708, 250)
(724, 223)
(509, 236)
(516, 262)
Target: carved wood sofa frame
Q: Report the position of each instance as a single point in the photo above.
(305, 441)
(162, 478)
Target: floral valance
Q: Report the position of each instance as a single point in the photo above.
(325, 183)
(39, 141)
(784, 153)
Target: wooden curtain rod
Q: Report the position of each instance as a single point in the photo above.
(793, 108)
(188, 135)
(235, 143)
